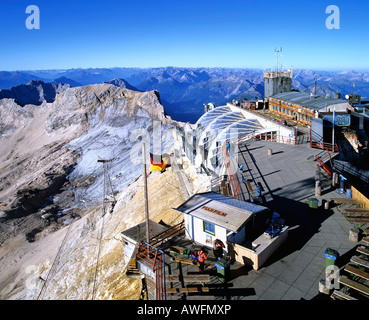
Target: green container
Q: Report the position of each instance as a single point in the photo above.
(223, 268)
(313, 203)
(187, 253)
(331, 256)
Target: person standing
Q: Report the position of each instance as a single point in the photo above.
(201, 258)
(218, 246)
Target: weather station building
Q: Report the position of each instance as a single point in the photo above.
(277, 82)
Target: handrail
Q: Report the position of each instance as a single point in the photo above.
(167, 234)
(324, 166)
(155, 258)
(341, 167)
(276, 138)
(324, 146)
(149, 254)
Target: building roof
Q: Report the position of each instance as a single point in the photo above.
(221, 210)
(221, 124)
(138, 232)
(308, 101)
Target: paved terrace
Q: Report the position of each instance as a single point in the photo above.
(294, 272)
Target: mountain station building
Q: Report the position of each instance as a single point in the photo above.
(303, 107)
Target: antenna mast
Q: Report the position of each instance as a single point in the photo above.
(278, 54)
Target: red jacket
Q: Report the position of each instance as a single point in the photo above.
(202, 256)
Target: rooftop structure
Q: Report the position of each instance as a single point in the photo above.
(277, 82)
(230, 123)
(220, 210)
(133, 236)
(311, 101)
(303, 107)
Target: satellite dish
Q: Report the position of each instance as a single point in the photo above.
(347, 96)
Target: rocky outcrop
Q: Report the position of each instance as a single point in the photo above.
(353, 152)
(49, 165)
(54, 147)
(353, 139)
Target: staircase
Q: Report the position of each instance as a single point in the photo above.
(132, 271)
(328, 152)
(153, 258)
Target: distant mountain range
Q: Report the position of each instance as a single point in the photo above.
(184, 91)
(35, 92)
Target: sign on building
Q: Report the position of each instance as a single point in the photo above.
(341, 120)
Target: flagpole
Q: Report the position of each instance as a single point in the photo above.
(146, 193)
(334, 121)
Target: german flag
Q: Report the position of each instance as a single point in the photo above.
(158, 163)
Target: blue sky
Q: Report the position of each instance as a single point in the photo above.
(201, 33)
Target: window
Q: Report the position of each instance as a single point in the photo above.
(209, 227)
(275, 108)
(307, 118)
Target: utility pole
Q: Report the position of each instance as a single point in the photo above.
(334, 120)
(146, 193)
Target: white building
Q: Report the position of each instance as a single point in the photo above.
(232, 123)
(209, 216)
(132, 237)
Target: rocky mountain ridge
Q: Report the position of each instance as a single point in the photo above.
(45, 147)
(49, 167)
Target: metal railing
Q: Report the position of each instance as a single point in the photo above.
(154, 257)
(166, 235)
(276, 138)
(324, 146)
(343, 168)
(324, 166)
